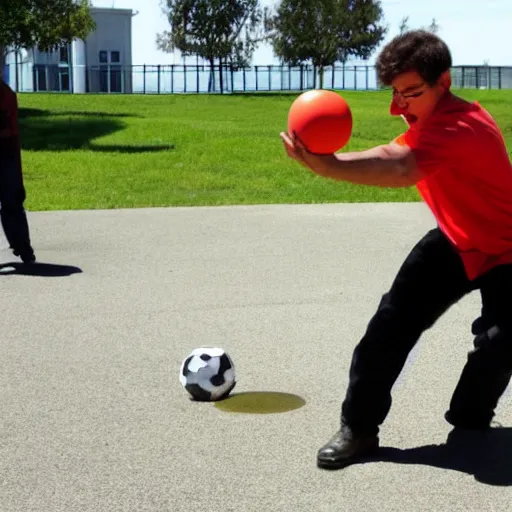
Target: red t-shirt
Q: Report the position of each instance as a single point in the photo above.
(8, 111)
(467, 181)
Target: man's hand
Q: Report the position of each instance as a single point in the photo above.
(297, 150)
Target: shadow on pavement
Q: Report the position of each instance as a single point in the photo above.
(38, 269)
(485, 455)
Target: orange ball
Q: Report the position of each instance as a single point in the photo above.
(322, 120)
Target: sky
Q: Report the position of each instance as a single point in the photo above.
(471, 28)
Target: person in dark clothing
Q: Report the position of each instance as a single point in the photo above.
(12, 190)
(454, 153)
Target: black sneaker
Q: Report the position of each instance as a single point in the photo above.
(468, 421)
(26, 256)
(345, 448)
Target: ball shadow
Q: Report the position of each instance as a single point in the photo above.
(260, 402)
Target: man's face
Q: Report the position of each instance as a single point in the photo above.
(414, 98)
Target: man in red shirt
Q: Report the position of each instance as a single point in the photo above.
(12, 190)
(454, 153)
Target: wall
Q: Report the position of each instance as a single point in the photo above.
(109, 51)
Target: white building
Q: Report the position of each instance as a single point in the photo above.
(101, 63)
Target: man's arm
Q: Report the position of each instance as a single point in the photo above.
(390, 165)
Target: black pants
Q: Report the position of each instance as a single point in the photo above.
(12, 196)
(431, 279)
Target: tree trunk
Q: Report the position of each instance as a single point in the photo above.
(17, 69)
(321, 75)
(221, 76)
(211, 85)
(2, 62)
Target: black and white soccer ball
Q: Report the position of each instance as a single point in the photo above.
(208, 374)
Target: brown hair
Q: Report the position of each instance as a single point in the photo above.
(417, 50)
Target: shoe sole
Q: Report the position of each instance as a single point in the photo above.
(344, 462)
(467, 423)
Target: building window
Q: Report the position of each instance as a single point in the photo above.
(113, 57)
(51, 78)
(40, 77)
(64, 80)
(111, 78)
(64, 55)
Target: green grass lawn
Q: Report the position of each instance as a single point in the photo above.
(92, 151)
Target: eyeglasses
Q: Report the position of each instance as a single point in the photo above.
(416, 94)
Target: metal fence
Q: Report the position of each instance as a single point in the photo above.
(482, 77)
(203, 79)
(177, 79)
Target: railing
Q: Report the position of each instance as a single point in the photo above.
(176, 79)
(482, 77)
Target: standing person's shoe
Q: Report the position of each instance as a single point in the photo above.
(27, 255)
(468, 421)
(345, 448)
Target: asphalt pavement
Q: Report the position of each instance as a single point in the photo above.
(93, 416)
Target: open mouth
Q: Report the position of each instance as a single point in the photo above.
(411, 118)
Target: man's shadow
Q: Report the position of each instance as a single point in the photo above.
(485, 455)
(38, 269)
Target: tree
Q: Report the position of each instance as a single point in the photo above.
(404, 25)
(361, 32)
(42, 23)
(301, 31)
(226, 31)
(433, 27)
(324, 31)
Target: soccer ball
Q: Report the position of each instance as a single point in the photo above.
(208, 374)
